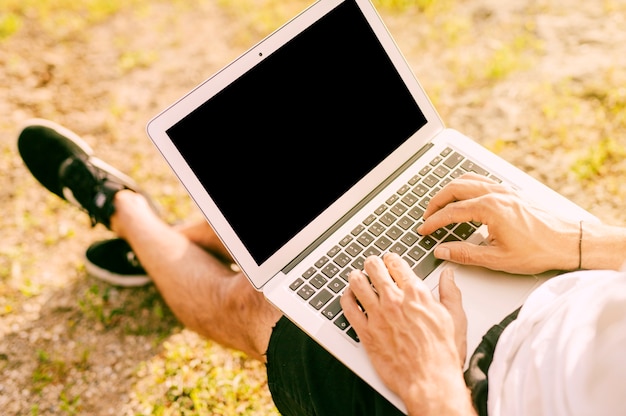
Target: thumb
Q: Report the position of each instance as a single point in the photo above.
(451, 298)
(449, 293)
(461, 252)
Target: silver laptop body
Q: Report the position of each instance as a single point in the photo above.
(301, 150)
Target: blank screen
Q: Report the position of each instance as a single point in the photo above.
(280, 144)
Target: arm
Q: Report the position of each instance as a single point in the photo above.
(603, 247)
(416, 343)
(522, 238)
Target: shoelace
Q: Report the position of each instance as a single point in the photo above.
(88, 188)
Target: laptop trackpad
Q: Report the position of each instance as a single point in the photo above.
(489, 296)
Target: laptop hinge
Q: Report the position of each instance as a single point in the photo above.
(356, 208)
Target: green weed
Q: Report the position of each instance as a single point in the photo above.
(60, 18)
(600, 159)
(10, 23)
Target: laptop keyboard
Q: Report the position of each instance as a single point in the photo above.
(390, 228)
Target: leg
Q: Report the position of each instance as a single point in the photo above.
(203, 292)
(202, 234)
(199, 286)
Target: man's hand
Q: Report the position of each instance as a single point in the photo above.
(416, 343)
(522, 238)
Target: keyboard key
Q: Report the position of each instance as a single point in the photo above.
(358, 263)
(387, 218)
(309, 272)
(416, 253)
(470, 166)
(439, 234)
(464, 230)
(365, 239)
(394, 232)
(405, 223)
(453, 160)
(296, 284)
(321, 262)
(409, 238)
(344, 241)
(357, 230)
(341, 322)
(352, 334)
(427, 242)
(383, 242)
(332, 309)
(354, 249)
(409, 199)
(321, 299)
(336, 285)
(427, 265)
(398, 248)
(330, 270)
(399, 209)
(430, 181)
(371, 251)
(416, 213)
(420, 190)
(342, 260)
(376, 229)
(318, 281)
(333, 251)
(306, 292)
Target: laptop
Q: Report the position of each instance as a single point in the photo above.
(318, 147)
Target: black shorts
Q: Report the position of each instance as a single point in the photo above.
(305, 380)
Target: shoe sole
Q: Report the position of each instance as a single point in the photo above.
(64, 131)
(88, 152)
(116, 279)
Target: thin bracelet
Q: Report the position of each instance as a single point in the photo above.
(580, 245)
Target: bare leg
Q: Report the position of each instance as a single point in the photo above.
(204, 293)
(201, 233)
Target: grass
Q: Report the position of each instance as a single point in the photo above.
(583, 117)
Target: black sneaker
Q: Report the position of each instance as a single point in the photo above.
(63, 163)
(115, 262)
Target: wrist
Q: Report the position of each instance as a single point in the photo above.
(602, 247)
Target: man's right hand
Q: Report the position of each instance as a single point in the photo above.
(522, 238)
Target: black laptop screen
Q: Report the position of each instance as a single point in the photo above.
(288, 138)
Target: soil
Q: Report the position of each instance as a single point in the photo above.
(529, 80)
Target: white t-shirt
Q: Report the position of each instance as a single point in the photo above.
(565, 354)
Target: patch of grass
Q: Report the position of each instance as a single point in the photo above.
(130, 60)
(67, 14)
(48, 370)
(10, 23)
(600, 159)
(138, 311)
(214, 382)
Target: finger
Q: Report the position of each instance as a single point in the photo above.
(353, 313)
(470, 254)
(449, 293)
(362, 289)
(467, 186)
(451, 298)
(400, 271)
(475, 209)
(379, 275)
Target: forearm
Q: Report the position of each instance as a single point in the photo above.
(602, 247)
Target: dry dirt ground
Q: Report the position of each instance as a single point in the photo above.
(540, 82)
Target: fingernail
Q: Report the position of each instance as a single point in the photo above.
(419, 229)
(442, 253)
